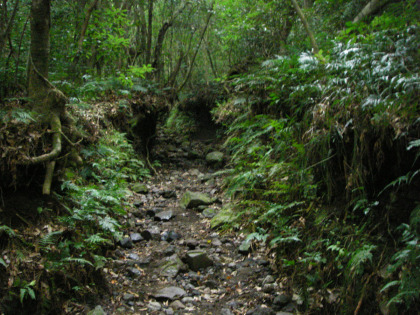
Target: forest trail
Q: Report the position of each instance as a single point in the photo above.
(150, 273)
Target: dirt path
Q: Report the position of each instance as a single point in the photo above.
(178, 264)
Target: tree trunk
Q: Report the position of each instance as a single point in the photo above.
(209, 15)
(306, 26)
(149, 32)
(157, 62)
(7, 26)
(85, 25)
(370, 8)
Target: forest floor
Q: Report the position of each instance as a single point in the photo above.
(179, 265)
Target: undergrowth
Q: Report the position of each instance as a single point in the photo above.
(326, 162)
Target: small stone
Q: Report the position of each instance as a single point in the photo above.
(134, 272)
(177, 305)
(154, 306)
(226, 311)
(191, 243)
(281, 300)
(164, 215)
(244, 248)
(136, 237)
(128, 297)
(216, 242)
(98, 310)
(170, 293)
(170, 250)
(209, 213)
(268, 279)
(187, 300)
(140, 188)
(197, 259)
(168, 194)
(152, 212)
(126, 243)
(269, 287)
(138, 204)
(152, 233)
(133, 256)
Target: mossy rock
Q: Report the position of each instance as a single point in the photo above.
(140, 188)
(195, 199)
(225, 216)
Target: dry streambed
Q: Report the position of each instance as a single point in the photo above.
(171, 262)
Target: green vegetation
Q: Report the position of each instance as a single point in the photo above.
(323, 136)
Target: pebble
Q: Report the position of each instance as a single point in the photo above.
(154, 306)
(177, 305)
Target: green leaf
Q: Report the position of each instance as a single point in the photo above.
(22, 295)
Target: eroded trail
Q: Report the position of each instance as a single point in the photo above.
(172, 262)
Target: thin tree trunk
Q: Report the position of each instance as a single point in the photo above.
(209, 15)
(370, 8)
(85, 25)
(5, 34)
(306, 26)
(149, 32)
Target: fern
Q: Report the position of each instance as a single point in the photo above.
(359, 258)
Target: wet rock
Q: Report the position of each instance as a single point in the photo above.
(154, 306)
(164, 215)
(170, 293)
(245, 247)
(215, 158)
(168, 194)
(209, 213)
(197, 259)
(126, 242)
(98, 310)
(136, 237)
(152, 233)
(177, 305)
(195, 199)
(224, 216)
(170, 236)
(172, 266)
(140, 188)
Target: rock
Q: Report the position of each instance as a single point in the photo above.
(195, 199)
(136, 237)
(133, 256)
(216, 242)
(193, 155)
(226, 311)
(269, 287)
(209, 213)
(188, 299)
(170, 236)
(177, 305)
(215, 158)
(191, 243)
(168, 194)
(128, 297)
(152, 233)
(195, 172)
(98, 310)
(152, 212)
(261, 310)
(172, 266)
(268, 279)
(154, 306)
(197, 259)
(170, 250)
(138, 203)
(134, 272)
(169, 311)
(126, 243)
(224, 216)
(140, 188)
(170, 293)
(164, 215)
(245, 247)
(281, 300)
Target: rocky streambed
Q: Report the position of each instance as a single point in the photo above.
(171, 261)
